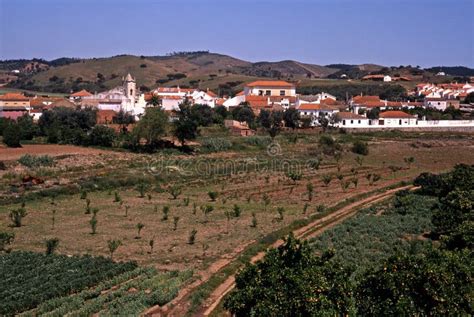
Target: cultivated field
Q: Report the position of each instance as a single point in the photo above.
(254, 189)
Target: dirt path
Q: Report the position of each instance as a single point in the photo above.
(307, 232)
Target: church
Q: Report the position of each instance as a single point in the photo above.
(126, 98)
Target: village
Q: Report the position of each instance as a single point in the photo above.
(358, 112)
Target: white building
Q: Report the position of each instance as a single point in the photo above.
(316, 112)
(397, 119)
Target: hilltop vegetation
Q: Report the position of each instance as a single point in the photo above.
(200, 69)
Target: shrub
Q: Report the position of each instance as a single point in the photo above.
(175, 222)
(139, 227)
(113, 246)
(6, 238)
(237, 211)
(36, 161)
(216, 144)
(360, 147)
(174, 191)
(213, 195)
(192, 236)
(259, 141)
(326, 179)
(101, 135)
(11, 135)
(51, 245)
(17, 215)
(166, 210)
(254, 220)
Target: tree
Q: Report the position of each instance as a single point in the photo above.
(192, 236)
(175, 222)
(101, 135)
(272, 122)
(51, 245)
(452, 210)
(434, 284)
(151, 127)
(186, 127)
(93, 223)
(12, 135)
(174, 191)
(139, 227)
(359, 147)
(113, 245)
(373, 113)
(292, 118)
(243, 113)
(17, 215)
(154, 101)
(310, 190)
(291, 281)
(28, 128)
(469, 98)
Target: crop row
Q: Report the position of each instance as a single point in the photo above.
(29, 279)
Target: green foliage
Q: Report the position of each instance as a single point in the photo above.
(17, 215)
(166, 210)
(291, 116)
(259, 141)
(186, 127)
(281, 212)
(12, 134)
(51, 245)
(113, 245)
(6, 238)
(310, 190)
(31, 278)
(215, 145)
(175, 222)
(237, 211)
(139, 227)
(294, 176)
(101, 135)
(93, 224)
(142, 188)
(174, 191)
(151, 127)
(272, 122)
(291, 281)
(117, 197)
(213, 195)
(243, 113)
(433, 284)
(192, 236)
(34, 161)
(359, 147)
(327, 178)
(64, 125)
(253, 224)
(376, 233)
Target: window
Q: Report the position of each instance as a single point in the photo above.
(260, 92)
(400, 122)
(268, 93)
(282, 92)
(352, 121)
(343, 122)
(358, 122)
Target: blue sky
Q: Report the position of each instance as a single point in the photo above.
(389, 32)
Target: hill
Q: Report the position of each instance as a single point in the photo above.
(200, 69)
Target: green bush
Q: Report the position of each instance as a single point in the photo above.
(215, 144)
(360, 147)
(259, 141)
(33, 161)
(101, 135)
(12, 135)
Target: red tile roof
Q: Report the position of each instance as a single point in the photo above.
(313, 106)
(349, 115)
(211, 93)
(364, 99)
(12, 96)
(396, 114)
(270, 83)
(82, 93)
